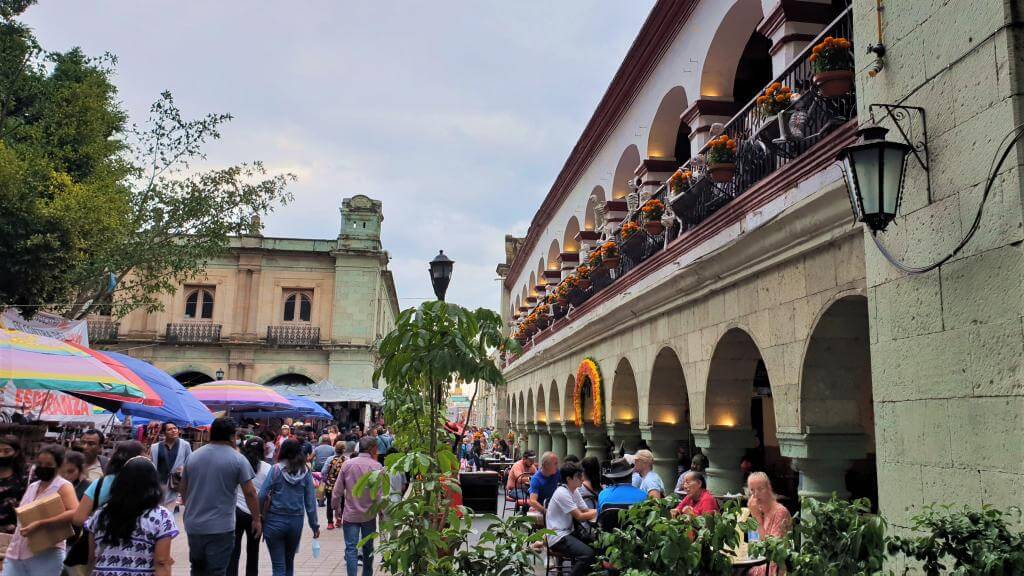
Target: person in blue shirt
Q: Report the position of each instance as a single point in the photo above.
(621, 492)
(544, 482)
(645, 478)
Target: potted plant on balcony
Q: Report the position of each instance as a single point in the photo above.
(583, 276)
(562, 292)
(543, 316)
(652, 211)
(609, 255)
(631, 240)
(679, 181)
(721, 158)
(833, 66)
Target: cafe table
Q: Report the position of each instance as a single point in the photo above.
(742, 566)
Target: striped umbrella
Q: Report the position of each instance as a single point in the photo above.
(151, 397)
(239, 396)
(36, 362)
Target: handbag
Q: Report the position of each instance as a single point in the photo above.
(78, 555)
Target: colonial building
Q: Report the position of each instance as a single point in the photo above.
(756, 318)
(274, 311)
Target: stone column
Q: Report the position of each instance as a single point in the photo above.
(543, 438)
(597, 441)
(520, 430)
(532, 438)
(558, 440)
(724, 448)
(587, 238)
(626, 434)
(653, 172)
(701, 115)
(791, 25)
(568, 261)
(664, 441)
(573, 440)
(822, 460)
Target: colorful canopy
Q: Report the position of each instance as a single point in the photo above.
(308, 407)
(239, 396)
(151, 398)
(180, 407)
(38, 362)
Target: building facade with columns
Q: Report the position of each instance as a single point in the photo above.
(273, 310)
(757, 319)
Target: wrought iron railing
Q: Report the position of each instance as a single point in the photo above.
(102, 330)
(293, 335)
(193, 333)
(764, 144)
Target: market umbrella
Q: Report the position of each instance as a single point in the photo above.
(180, 407)
(300, 408)
(112, 403)
(309, 407)
(37, 362)
(239, 396)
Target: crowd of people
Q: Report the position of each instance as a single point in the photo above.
(235, 491)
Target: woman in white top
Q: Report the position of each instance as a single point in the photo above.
(254, 450)
(565, 506)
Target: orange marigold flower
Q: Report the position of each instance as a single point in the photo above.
(812, 58)
(817, 49)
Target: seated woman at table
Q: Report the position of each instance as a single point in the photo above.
(698, 500)
(772, 518)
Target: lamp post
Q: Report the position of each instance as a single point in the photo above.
(874, 170)
(219, 374)
(441, 274)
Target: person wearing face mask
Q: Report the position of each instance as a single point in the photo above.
(21, 561)
(13, 481)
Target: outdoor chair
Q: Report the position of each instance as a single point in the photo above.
(608, 519)
(557, 564)
(517, 506)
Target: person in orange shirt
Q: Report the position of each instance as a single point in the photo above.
(521, 471)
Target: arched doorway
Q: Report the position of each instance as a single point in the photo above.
(836, 396)
(668, 413)
(624, 411)
(192, 378)
(289, 379)
(589, 408)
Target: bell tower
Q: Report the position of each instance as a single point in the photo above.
(361, 218)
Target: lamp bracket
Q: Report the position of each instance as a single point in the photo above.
(903, 117)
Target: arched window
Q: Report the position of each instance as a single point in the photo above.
(298, 306)
(199, 303)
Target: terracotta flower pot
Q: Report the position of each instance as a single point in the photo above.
(722, 172)
(654, 227)
(610, 263)
(583, 283)
(834, 83)
(562, 301)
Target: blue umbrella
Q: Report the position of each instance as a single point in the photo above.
(301, 408)
(180, 407)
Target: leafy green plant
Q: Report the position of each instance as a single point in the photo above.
(965, 542)
(829, 538)
(649, 541)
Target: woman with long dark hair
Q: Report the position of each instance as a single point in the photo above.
(132, 529)
(254, 450)
(286, 495)
(20, 559)
(591, 481)
(12, 481)
(98, 493)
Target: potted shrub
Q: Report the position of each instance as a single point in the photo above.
(631, 240)
(609, 255)
(833, 67)
(594, 258)
(583, 276)
(679, 181)
(721, 158)
(562, 293)
(543, 317)
(653, 210)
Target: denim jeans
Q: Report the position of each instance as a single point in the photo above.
(282, 534)
(46, 562)
(354, 532)
(210, 554)
(243, 529)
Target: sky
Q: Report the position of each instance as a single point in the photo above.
(457, 115)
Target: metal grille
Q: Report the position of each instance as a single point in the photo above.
(103, 330)
(193, 333)
(293, 335)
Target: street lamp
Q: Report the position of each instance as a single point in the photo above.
(874, 170)
(219, 374)
(441, 274)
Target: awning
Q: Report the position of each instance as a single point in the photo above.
(327, 391)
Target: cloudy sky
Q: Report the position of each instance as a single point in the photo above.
(456, 114)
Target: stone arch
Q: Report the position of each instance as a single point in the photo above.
(522, 409)
(629, 160)
(513, 416)
(623, 404)
(189, 378)
(665, 127)
(569, 242)
(553, 252)
(668, 400)
(569, 407)
(541, 267)
(554, 403)
(596, 199)
(531, 288)
(531, 411)
(542, 411)
(292, 376)
(730, 380)
(718, 72)
(526, 294)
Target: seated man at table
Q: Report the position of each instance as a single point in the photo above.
(522, 470)
(565, 506)
(698, 463)
(544, 482)
(645, 478)
(621, 492)
(698, 500)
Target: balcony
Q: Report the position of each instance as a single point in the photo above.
(102, 330)
(766, 145)
(293, 335)
(193, 333)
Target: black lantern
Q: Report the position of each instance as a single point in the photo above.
(219, 374)
(441, 274)
(874, 169)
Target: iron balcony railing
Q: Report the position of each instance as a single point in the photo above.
(293, 335)
(764, 145)
(193, 333)
(102, 330)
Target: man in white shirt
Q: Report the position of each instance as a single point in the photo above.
(645, 477)
(565, 506)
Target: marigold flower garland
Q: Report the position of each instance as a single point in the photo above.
(588, 370)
